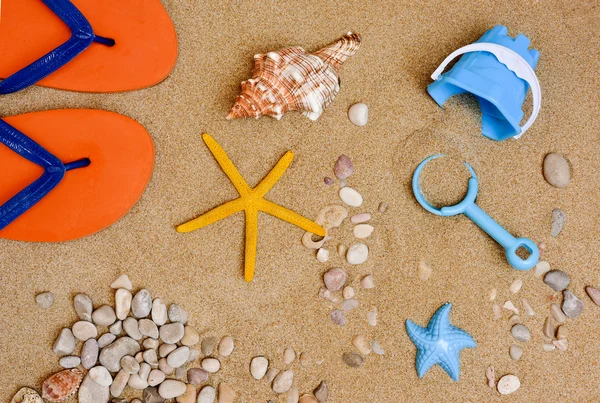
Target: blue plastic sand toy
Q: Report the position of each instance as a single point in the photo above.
(498, 70)
(479, 217)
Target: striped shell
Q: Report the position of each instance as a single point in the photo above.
(293, 80)
(61, 385)
(27, 395)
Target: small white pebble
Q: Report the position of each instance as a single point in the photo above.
(367, 282)
(527, 308)
(541, 268)
(508, 384)
(348, 292)
(322, 255)
(493, 293)
(497, 311)
(361, 344)
(289, 355)
(357, 254)
(511, 307)
(362, 231)
(360, 218)
(359, 114)
(377, 349)
(549, 347)
(516, 286)
(372, 317)
(562, 344)
(351, 197)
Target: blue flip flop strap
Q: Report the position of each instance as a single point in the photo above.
(82, 37)
(54, 171)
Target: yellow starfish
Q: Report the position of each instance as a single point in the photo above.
(251, 201)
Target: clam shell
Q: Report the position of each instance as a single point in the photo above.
(293, 80)
(27, 395)
(61, 385)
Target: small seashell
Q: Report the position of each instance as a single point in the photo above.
(557, 313)
(527, 308)
(367, 282)
(61, 385)
(357, 253)
(424, 270)
(490, 374)
(322, 255)
(360, 218)
(362, 231)
(377, 349)
(558, 221)
(594, 294)
(515, 352)
(557, 171)
(343, 167)
(329, 217)
(351, 197)
(548, 328)
(361, 344)
(516, 286)
(348, 293)
(497, 311)
(562, 344)
(571, 306)
(27, 395)
(493, 293)
(359, 114)
(511, 307)
(293, 80)
(508, 384)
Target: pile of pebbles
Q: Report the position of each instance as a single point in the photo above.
(282, 381)
(142, 344)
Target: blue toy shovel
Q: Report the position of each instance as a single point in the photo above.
(479, 217)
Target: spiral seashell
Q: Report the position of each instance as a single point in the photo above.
(293, 80)
(61, 385)
(27, 395)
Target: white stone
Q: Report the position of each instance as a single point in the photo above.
(211, 365)
(258, 367)
(106, 339)
(92, 392)
(360, 218)
(363, 231)
(101, 376)
(69, 361)
(171, 388)
(359, 114)
(178, 357)
(348, 292)
(557, 170)
(104, 316)
(377, 349)
(129, 365)
(207, 394)
(508, 384)
(516, 286)
(84, 330)
(542, 267)
(283, 381)
(367, 282)
(156, 377)
(226, 346)
(65, 343)
(119, 383)
(131, 327)
(123, 299)
(141, 305)
(83, 307)
(159, 312)
(136, 382)
(357, 253)
(171, 333)
(122, 282)
(289, 355)
(351, 197)
(116, 328)
(322, 255)
(148, 328)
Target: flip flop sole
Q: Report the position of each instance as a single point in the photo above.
(88, 199)
(144, 54)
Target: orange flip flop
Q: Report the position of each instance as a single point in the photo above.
(70, 173)
(85, 45)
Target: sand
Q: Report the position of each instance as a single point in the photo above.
(403, 42)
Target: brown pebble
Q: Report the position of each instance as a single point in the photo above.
(307, 399)
(383, 206)
(562, 332)
(353, 360)
(328, 181)
(343, 167)
(594, 294)
(548, 328)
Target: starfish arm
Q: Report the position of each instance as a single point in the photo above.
(440, 319)
(450, 362)
(291, 217)
(214, 215)
(427, 357)
(417, 333)
(251, 242)
(272, 177)
(226, 165)
(459, 338)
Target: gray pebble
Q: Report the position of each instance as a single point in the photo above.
(151, 344)
(89, 353)
(181, 373)
(141, 305)
(178, 357)
(111, 355)
(159, 312)
(83, 307)
(164, 367)
(350, 304)
(571, 306)
(171, 333)
(116, 328)
(557, 280)
(520, 332)
(338, 317)
(321, 392)
(156, 377)
(130, 365)
(70, 361)
(208, 345)
(151, 395)
(144, 371)
(558, 221)
(104, 316)
(119, 383)
(194, 355)
(515, 352)
(594, 294)
(106, 339)
(177, 314)
(45, 299)
(65, 343)
(557, 170)
(197, 376)
(165, 349)
(130, 326)
(83, 330)
(151, 358)
(148, 328)
(92, 392)
(353, 360)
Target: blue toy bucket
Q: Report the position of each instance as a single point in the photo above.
(498, 70)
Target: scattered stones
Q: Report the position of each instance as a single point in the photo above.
(556, 170)
(377, 349)
(358, 114)
(557, 280)
(338, 317)
(335, 279)
(171, 333)
(321, 392)
(562, 332)
(104, 316)
(283, 381)
(353, 360)
(101, 376)
(351, 197)
(520, 333)
(289, 355)
(424, 270)
(343, 167)
(207, 394)
(322, 255)
(357, 253)
(527, 308)
(360, 218)
(508, 384)
(69, 361)
(594, 294)
(177, 314)
(197, 376)
(111, 355)
(89, 353)
(541, 268)
(178, 357)
(123, 299)
(361, 344)
(548, 328)
(65, 343)
(558, 221)
(141, 305)
(151, 396)
(171, 388)
(367, 282)
(363, 231)
(497, 311)
(211, 365)
(258, 367)
(571, 306)
(372, 317)
(226, 346)
(131, 327)
(557, 313)
(83, 307)
(45, 299)
(490, 374)
(83, 330)
(348, 292)
(208, 345)
(159, 312)
(562, 344)
(122, 282)
(106, 339)
(515, 352)
(516, 285)
(226, 393)
(92, 392)
(508, 305)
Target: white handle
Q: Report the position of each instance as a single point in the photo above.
(514, 62)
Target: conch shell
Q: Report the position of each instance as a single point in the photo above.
(61, 385)
(293, 80)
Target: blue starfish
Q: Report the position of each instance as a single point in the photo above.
(439, 343)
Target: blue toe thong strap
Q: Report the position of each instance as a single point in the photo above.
(82, 36)
(54, 172)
